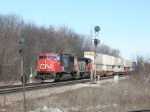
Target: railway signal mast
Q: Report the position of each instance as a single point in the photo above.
(96, 42)
(23, 77)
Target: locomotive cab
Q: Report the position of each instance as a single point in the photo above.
(84, 66)
(47, 65)
(47, 62)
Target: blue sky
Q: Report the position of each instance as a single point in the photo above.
(125, 24)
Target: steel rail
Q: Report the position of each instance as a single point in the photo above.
(12, 86)
(41, 86)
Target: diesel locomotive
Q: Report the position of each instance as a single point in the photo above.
(57, 67)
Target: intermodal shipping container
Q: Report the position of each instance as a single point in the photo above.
(100, 67)
(114, 60)
(115, 68)
(133, 64)
(127, 63)
(121, 69)
(108, 60)
(101, 59)
(120, 61)
(109, 68)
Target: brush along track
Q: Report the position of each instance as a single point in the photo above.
(33, 86)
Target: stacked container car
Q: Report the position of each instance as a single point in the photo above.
(127, 65)
(98, 63)
(120, 65)
(108, 65)
(115, 65)
(104, 64)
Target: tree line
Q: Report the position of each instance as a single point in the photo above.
(37, 39)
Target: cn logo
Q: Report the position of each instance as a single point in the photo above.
(44, 66)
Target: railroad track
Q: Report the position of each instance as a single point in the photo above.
(13, 86)
(33, 86)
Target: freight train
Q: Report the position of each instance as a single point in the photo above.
(57, 67)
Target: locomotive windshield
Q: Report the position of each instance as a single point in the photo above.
(41, 57)
(52, 57)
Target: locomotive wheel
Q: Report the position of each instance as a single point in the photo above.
(81, 75)
(57, 77)
(60, 77)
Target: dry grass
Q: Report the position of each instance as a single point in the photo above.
(126, 95)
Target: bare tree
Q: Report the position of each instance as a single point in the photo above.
(8, 44)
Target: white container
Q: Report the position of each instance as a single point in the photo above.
(130, 63)
(114, 60)
(98, 58)
(101, 59)
(121, 69)
(109, 68)
(108, 60)
(127, 63)
(120, 61)
(115, 68)
(104, 68)
(99, 67)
